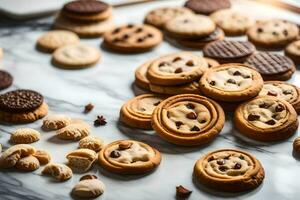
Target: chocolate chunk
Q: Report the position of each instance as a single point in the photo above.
(232, 81)
(116, 30)
(223, 168)
(138, 30)
(156, 104)
(85, 7)
(221, 162)
(130, 26)
(149, 35)
(202, 121)
(124, 145)
(125, 37)
(5, 79)
(182, 192)
(272, 93)
(271, 122)
(178, 124)
(253, 117)
(279, 108)
(210, 159)
(190, 106)
(287, 92)
(237, 166)
(242, 157)
(189, 63)
(264, 105)
(212, 82)
(163, 64)
(178, 70)
(237, 73)
(191, 115)
(115, 154)
(195, 128)
(260, 30)
(285, 32)
(140, 40)
(177, 59)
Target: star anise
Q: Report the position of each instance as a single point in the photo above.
(100, 121)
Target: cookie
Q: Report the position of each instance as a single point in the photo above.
(6, 79)
(189, 88)
(81, 159)
(296, 145)
(60, 172)
(233, 23)
(282, 90)
(275, 33)
(141, 79)
(293, 51)
(160, 16)
(25, 136)
(207, 7)
(55, 122)
(74, 131)
(92, 143)
(266, 118)
(89, 188)
(43, 156)
(188, 119)
(225, 51)
(190, 26)
(137, 111)
(231, 82)
(129, 157)
(132, 38)
(229, 170)
(22, 106)
(176, 69)
(29, 163)
(272, 66)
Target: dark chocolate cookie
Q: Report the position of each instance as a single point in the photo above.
(85, 7)
(207, 7)
(20, 101)
(5, 79)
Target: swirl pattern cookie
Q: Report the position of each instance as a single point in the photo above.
(266, 118)
(129, 157)
(188, 119)
(293, 51)
(229, 170)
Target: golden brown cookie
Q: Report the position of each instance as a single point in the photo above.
(89, 188)
(266, 118)
(74, 131)
(231, 82)
(137, 111)
(229, 170)
(189, 88)
(81, 159)
(188, 119)
(92, 143)
(55, 122)
(25, 136)
(29, 163)
(141, 79)
(129, 157)
(60, 172)
(43, 156)
(293, 51)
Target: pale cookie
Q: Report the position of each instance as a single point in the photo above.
(25, 136)
(29, 163)
(137, 111)
(12, 155)
(129, 157)
(55, 122)
(90, 188)
(160, 16)
(189, 88)
(266, 118)
(233, 23)
(43, 156)
(296, 145)
(52, 40)
(190, 26)
(74, 131)
(188, 119)
(60, 172)
(76, 56)
(274, 33)
(92, 143)
(293, 51)
(176, 69)
(81, 159)
(229, 170)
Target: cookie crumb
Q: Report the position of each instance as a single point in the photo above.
(100, 121)
(88, 108)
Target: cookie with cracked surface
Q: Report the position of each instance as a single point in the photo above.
(89, 188)
(207, 7)
(137, 111)
(74, 131)
(266, 118)
(188, 119)
(25, 136)
(229, 170)
(231, 82)
(6, 79)
(60, 172)
(29, 163)
(55, 122)
(92, 143)
(81, 159)
(293, 51)
(43, 156)
(129, 157)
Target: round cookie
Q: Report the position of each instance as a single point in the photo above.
(190, 26)
(293, 51)
(160, 16)
(188, 119)
(75, 56)
(132, 38)
(129, 157)
(229, 170)
(176, 69)
(207, 7)
(225, 51)
(231, 82)
(233, 23)
(141, 79)
(137, 111)
(52, 40)
(272, 66)
(189, 88)
(274, 33)
(266, 118)
(6, 79)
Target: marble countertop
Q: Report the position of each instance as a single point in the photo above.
(108, 85)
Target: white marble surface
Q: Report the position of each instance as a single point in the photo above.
(108, 85)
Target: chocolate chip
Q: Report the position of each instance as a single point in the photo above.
(242, 157)
(163, 64)
(223, 168)
(237, 166)
(279, 108)
(220, 162)
(125, 37)
(138, 30)
(195, 128)
(150, 35)
(246, 76)
(253, 117)
(287, 92)
(117, 30)
(212, 82)
(285, 32)
(190, 63)
(178, 70)
(227, 157)
(178, 124)
(176, 59)
(115, 154)
(260, 30)
(190, 106)
(271, 122)
(232, 81)
(130, 25)
(140, 40)
(272, 93)
(237, 73)
(274, 116)
(202, 121)
(191, 115)
(264, 105)
(210, 159)
(156, 104)
(275, 33)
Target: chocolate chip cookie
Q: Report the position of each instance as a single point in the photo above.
(293, 51)
(207, 7)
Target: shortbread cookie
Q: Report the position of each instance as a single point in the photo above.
(282, 90)
(266, 118)
(229, 170)
(275, 33)
(190, 26)
(25, 136)
(132, 38)
(160, 16)
(225, 51)
(176, 69)
(6, 79)
(188, 119)
(81, 159)
(293, 51)
(272, 66)
(12, 155)
(92, 143)
(137, 111)
(296, 145)
(74, 131)
(129, 157)
(189, 88)
(76, 56)
(22, 106)
(233, 23)
(207, 7)
(90, 188)
(55, 122)
(231, 82)
(52, 40)
(60, 172)
(29, 163)
(43, 156)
